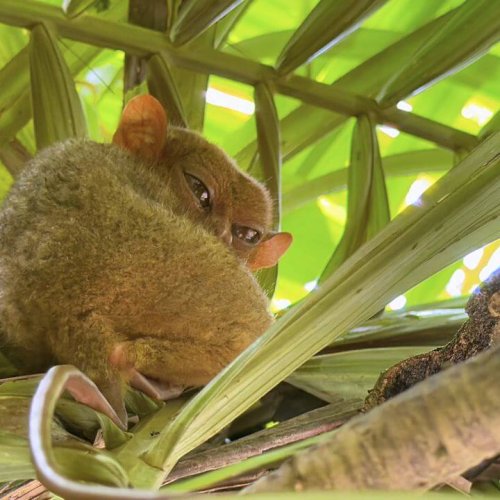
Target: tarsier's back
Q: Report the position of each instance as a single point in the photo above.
(103, 268)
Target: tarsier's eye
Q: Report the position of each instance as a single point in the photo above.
(246, 234)
(199, 190)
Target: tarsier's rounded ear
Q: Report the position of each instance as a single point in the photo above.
(143, 127)
(269, 251)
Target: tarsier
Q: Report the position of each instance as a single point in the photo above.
(132, 260)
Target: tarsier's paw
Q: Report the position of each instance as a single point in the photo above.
(123, 359)
(155, 388)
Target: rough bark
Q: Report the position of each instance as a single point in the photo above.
(480, 332)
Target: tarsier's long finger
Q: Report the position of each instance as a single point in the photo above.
(154, 388)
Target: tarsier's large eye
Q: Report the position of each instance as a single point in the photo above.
(199, 190)
(246, 234)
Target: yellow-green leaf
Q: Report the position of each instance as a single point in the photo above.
(73, 8)
(327, 24)
(398, 165)
(268, 136)
(350, 374)
(162, 85)
(367, 203)
(57, 111)
(468, 33)
(195, 17)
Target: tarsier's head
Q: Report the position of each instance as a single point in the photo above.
(210, 188)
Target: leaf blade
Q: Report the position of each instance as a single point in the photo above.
(447, 50)
(327, 24)
(162, 85)
(195, 17)
(57, 111)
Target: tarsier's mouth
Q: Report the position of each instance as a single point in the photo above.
(154, 388)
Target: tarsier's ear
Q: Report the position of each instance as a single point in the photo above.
(269, 251)
(143, 127)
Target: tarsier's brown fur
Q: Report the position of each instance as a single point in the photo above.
(104, 266)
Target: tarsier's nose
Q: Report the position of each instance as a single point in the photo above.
(226, 235)
(221, 221)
